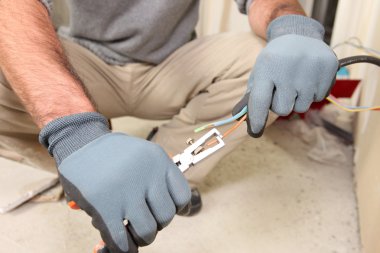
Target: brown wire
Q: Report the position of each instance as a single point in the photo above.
(229, 131)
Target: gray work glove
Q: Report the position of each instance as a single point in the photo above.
(114, 177)
(295, 69)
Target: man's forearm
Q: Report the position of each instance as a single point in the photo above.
(262, 12)
(34, 63)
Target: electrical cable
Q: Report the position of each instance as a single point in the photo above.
(349, 108)
(358, 45)
(223, 122)
(230, 130)
(349, 61)
(234, 127)
(359, 59)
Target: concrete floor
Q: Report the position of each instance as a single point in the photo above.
(265, 197)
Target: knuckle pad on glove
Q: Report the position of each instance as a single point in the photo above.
(324, 89)
(302, 106)
(178, 187)
(283, 102)
(304, 100)
(144, 235)
(143, 226)
(281, 110)
(114, 233)
(166, 217)
(327, 75)
(161, 206)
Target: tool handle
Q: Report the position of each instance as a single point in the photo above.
(101, 245)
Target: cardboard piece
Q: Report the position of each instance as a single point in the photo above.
(20, 182)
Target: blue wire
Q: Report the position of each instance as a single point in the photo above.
(232, 119)
(225, 121)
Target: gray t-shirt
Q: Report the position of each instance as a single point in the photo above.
(124, 31)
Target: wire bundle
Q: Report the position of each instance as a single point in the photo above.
(357, 43)
(349, 108)
(223, 122)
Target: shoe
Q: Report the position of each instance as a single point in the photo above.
(196, 202)
(195, 205)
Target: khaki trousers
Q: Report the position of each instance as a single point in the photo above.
(199, 83)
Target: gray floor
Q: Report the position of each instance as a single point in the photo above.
(265, 197)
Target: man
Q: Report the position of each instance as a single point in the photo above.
(140, 58)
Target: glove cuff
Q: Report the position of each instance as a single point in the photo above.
(295, 24)
(64, 136)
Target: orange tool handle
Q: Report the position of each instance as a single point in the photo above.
(99, 246)
(73, 205)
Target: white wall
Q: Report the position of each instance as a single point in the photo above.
(362, 19)
(220, 16)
